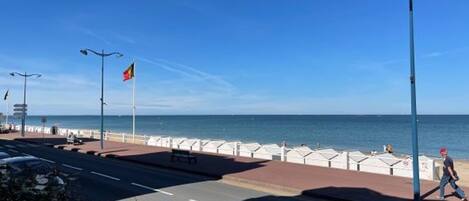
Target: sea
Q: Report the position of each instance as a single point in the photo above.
(344, 132)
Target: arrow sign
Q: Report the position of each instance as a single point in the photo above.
(20, 109)
(19, 114)
(20, 105)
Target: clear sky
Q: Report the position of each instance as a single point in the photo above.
(237, 57)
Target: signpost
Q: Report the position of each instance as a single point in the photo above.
(20, 112)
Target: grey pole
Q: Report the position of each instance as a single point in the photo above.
(102, 55)
(415, 148)
(23, 119)
(102, 99)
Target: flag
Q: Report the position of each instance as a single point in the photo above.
(6, 95)
(129, 72)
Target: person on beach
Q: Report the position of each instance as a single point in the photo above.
(449, 176)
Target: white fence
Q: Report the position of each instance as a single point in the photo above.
(386, 164)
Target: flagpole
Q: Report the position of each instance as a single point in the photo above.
(133, 103)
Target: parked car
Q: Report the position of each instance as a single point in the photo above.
(31, 177)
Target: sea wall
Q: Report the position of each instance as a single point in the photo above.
(378, 163)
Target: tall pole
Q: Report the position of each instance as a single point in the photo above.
(23, 119)
(8, 110)
(133, 103)
(102, 99)
(415, 148)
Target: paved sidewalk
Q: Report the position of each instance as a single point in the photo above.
(308, 180)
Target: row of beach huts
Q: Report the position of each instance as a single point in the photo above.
(379, 163)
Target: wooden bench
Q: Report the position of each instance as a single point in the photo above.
(177, 153)
(72, 139)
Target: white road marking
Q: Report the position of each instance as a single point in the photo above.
(47, 160)
(32, 145)
(72, 167)
(12, 150)
(9, 146)
(192, 200)
(27, 154)
(152, 189)
(103, 175)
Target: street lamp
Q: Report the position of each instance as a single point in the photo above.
(102, 55)
(23, 116)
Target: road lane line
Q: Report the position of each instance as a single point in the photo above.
(9, 146)
(103, 175)
(152, 189)
(12, 150)
(26, 154)
(72, 167)
(47, 160)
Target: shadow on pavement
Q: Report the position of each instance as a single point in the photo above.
(342, 194)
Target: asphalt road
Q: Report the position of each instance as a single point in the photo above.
(102, 179)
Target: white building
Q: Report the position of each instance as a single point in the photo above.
(229, 148)
(175, 142)
(426, 167)
(297, 154)
(154, 140)
(188, 144)
(321, 157)
(165, 142)
(355, 158)
(248, 149)
(212, 146)
(340, 161)
(380, 164)
(269, 152)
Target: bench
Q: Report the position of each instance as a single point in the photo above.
(177, 153)
(72, 139)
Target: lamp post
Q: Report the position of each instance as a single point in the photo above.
(23, 116)
(102, 55)
(415, 147)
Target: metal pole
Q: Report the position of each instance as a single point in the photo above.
(23, 119)
(415, 149)
(102, 99)
(133, 103)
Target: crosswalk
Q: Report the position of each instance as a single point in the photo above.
(25, 145)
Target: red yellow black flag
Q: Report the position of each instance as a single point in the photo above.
(129, 72)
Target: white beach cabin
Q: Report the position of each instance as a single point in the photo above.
(427, 168)
(321, 157)
(199, 144)
(248, 149)
(340, 161)
(297, 154)
(379, 164)
(165, 142)
(229, 148)
(153, 141)
(212, 146)
(355, 158)
(188, 144)
(269, 152)
(175, 142)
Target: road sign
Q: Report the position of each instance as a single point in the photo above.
(19, 114)
(20, 105)
(20, 109)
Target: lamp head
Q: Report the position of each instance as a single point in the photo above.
(39, 75)
(12, 74)
(84, 52)
(119, 55)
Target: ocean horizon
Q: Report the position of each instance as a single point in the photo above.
(350, 132)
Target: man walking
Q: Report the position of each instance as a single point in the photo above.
(449, 176)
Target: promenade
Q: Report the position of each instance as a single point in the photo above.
(294, 179)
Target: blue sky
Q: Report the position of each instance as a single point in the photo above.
(237, 57)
